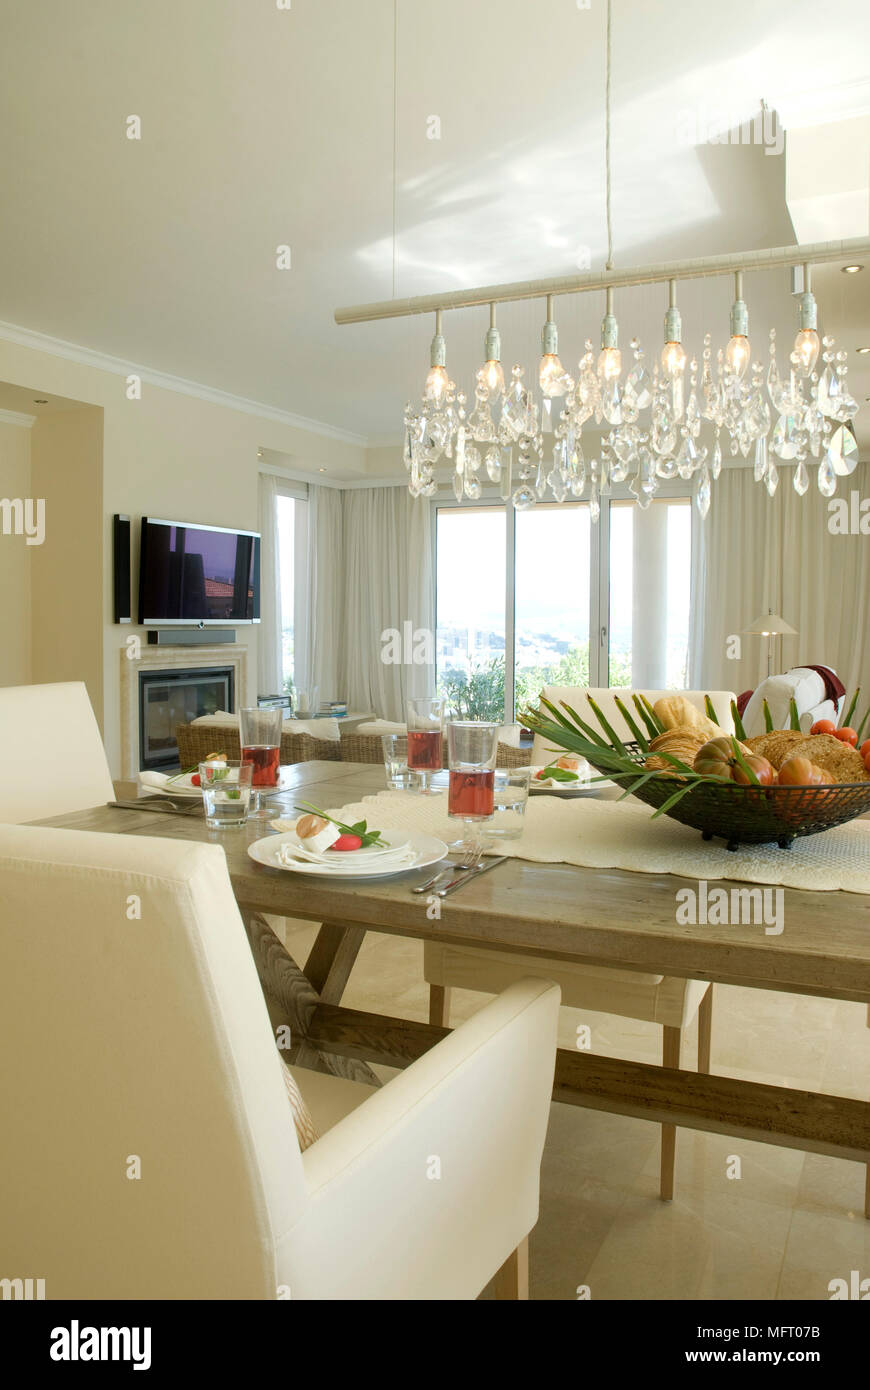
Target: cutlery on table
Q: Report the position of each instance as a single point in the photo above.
(159, 803)
(475, 872)
(469, 860)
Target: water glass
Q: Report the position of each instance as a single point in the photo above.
(260, 735)
(472, 748)
(426, 737)
(226, 793)
(399, 776)
(510, 798)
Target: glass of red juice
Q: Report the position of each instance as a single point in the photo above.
(426, 737)
(472, 748)
(260, 736)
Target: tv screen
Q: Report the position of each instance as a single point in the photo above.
(198, 574)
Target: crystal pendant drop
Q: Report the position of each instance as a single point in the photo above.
(493, 465)
(771, 478)
(716, 461)
(523, 497)
(827, 476)
(638, 386)
(783, 442)
(801, 480)
(703, 491)
(506, 479)
(844, 451)
(594, 504)
(666, 468)
(760, 466)
(473, 488)
(557, 485)
(458, 486)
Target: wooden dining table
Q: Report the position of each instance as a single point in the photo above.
(560, 911)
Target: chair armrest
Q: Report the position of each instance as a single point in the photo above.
(424, 1190)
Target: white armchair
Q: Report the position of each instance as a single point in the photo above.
(800, 684)
(51, 752)
(153, 1152)
(666, 1000)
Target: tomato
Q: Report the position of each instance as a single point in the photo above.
(764, 771)
(715, 759)
(846, 735)
(800, 772)
(865, 748)
(823, 726)
(196, 780)
(347, 842)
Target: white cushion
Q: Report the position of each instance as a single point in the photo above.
(318, 728)
(605, 697)
(805, 687)
(629, 994)
(51, 753)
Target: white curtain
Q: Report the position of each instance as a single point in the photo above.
(320, 621)
(388, 584)
(757, 553)
(270, 679)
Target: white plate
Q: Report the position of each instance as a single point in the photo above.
(171, 784)
(579, 788)
(427, 850)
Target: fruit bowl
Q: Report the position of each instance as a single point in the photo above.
(748, 815)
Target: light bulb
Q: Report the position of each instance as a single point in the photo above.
(673, 359)
(491, 375)
(806, 345)
(551, 375)
(737, 354)
(609, 364)
(436, 384)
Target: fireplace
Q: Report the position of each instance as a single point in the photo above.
(171, 697)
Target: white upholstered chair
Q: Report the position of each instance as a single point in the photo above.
(800, 684)
(151, 1151)
(666, 1000)
(51, 752)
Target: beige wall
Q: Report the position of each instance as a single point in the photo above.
(67, 569)
(15, 561)
(168, 454)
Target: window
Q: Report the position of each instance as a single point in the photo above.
(470, 597)
(544, 597)
(287, 563)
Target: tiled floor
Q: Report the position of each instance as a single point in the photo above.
(784, 1228)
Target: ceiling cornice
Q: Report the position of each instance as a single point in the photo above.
(15, 417)
(90, 357)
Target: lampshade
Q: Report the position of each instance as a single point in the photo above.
(770, 625)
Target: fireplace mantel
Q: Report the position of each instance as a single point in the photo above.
(168, 659)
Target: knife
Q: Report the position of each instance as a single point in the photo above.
(456, 883)
(157, 803)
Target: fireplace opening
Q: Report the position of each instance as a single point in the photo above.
(170, 698)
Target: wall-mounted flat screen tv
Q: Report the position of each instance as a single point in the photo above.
(197, 574)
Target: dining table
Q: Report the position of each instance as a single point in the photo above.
(561, 911)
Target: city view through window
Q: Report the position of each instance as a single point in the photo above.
(551, 602)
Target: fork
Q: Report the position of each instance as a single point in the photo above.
(469, 859)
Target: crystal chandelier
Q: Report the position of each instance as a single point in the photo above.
(651, 423)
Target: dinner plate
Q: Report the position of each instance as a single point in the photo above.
(353, 863)
(173, 784)
(579, 788)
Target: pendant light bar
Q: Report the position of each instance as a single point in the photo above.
(773, 258)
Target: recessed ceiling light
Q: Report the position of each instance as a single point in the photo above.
(863, 349)
(852, 269)
(40, 400)
(259, 453)
(322, 470)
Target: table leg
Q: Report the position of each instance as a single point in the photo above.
(331, 959)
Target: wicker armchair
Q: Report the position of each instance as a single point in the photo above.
(196, 741)
(367, 748)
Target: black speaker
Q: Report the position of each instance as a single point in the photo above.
(121, 563)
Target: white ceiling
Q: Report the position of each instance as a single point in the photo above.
(263, 126)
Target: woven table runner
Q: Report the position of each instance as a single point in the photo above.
(600, 834)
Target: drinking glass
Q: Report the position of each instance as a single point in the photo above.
(226, 793)
(510, 798)
(399, 776)
(260, 735)
(306, 703)
(471, 753)
(426, 737)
